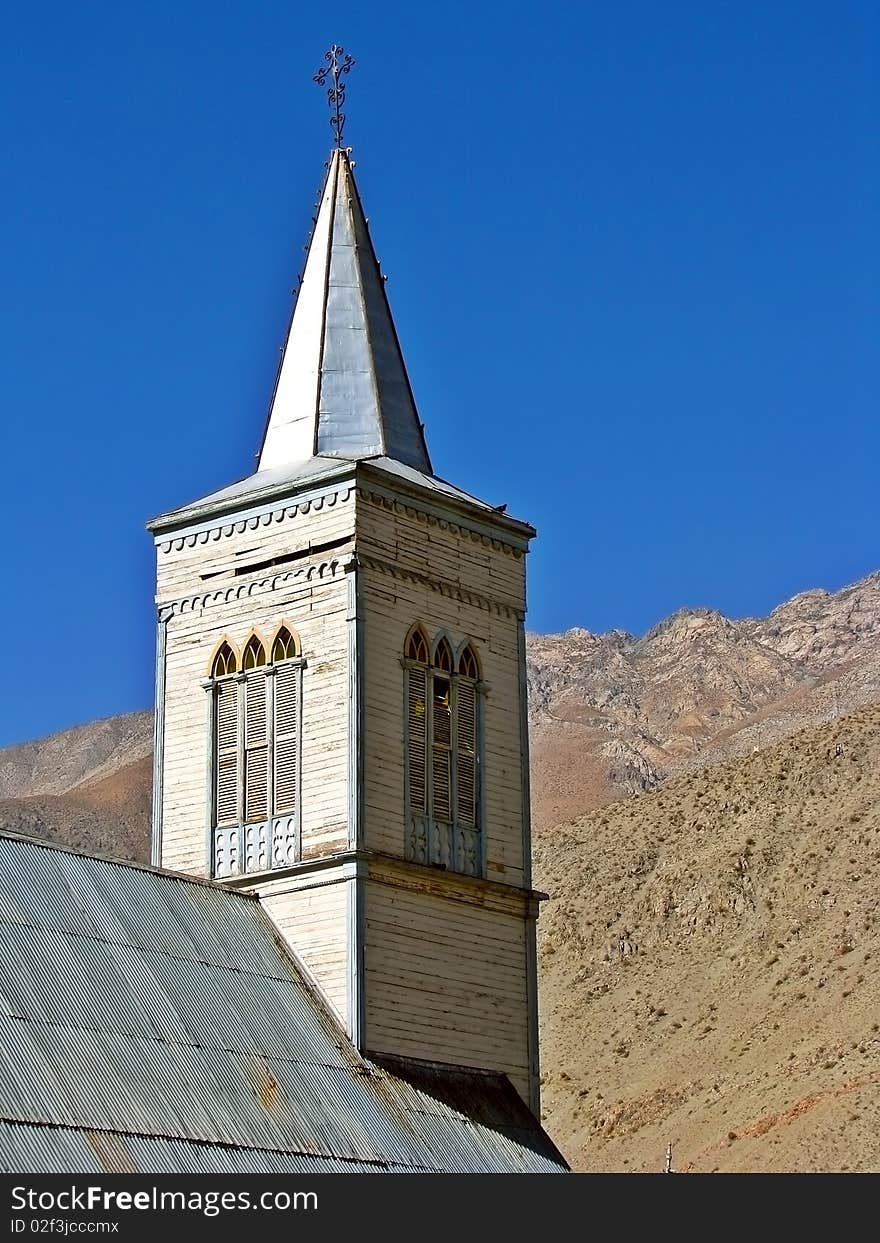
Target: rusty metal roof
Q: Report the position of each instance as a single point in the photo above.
(149, 1022)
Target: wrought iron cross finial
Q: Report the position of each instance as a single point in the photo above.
(338, 63)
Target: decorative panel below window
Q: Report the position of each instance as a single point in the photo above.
(242, 849)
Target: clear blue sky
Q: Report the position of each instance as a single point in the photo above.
(633, 261)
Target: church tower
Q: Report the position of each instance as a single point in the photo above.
(341, 691)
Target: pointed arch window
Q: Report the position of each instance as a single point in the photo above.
(417, 646)
(256, 734)
(254, 654)
(224, 662)
(284, 646)
(441, 732)
(442, 754)
(466, 739)
(255, 731)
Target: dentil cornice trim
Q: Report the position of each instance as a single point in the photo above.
(453, 591)
(318, 572)
(432, 516)
(263, 516)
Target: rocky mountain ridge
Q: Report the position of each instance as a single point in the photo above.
(59, 763)
(612, 714)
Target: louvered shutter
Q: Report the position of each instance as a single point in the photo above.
(286, 736)
(256, 757)
(417, 689)
(466, 769)
(440, 768)
(226, 716)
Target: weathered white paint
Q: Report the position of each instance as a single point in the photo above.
(310, 912)
(446, 981)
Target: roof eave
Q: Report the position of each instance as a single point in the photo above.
(524, 531)
(187, 514)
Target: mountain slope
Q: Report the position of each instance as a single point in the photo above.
(64, 760)
(612, 714)
(108, 815)
(710, 965)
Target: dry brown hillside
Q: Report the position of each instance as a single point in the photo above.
(65, 760)
(107, 815)
(710, 965)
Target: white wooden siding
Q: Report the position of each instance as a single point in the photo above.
(212, 561)
(446, 982)
(424, 546)
(311, 915)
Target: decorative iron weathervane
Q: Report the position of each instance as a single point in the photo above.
(338, 64)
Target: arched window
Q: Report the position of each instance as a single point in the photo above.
(224, 662)
(443, 656)
(255, 760)
(254, 654)
(441, 732)
(284, 647)
(442, 755)
(468, 665)
(288, 696)
(225, 713)
(417, 646)
(256, 733)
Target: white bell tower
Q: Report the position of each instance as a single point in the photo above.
(341, 692)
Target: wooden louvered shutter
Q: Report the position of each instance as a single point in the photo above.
(226, 750)
(417, 726)
(442, 742)
(466, 766)
(286, 736)
(256, 758)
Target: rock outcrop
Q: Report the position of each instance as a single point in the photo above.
(612, 714)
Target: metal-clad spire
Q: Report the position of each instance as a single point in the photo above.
(342, 389)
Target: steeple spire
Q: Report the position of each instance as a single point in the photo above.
(342, 389)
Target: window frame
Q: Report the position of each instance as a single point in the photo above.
(431, 839)
(249, 846)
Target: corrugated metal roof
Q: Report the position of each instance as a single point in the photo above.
(154, 1023)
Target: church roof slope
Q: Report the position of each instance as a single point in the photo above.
(342, 388)
(154, 1023)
